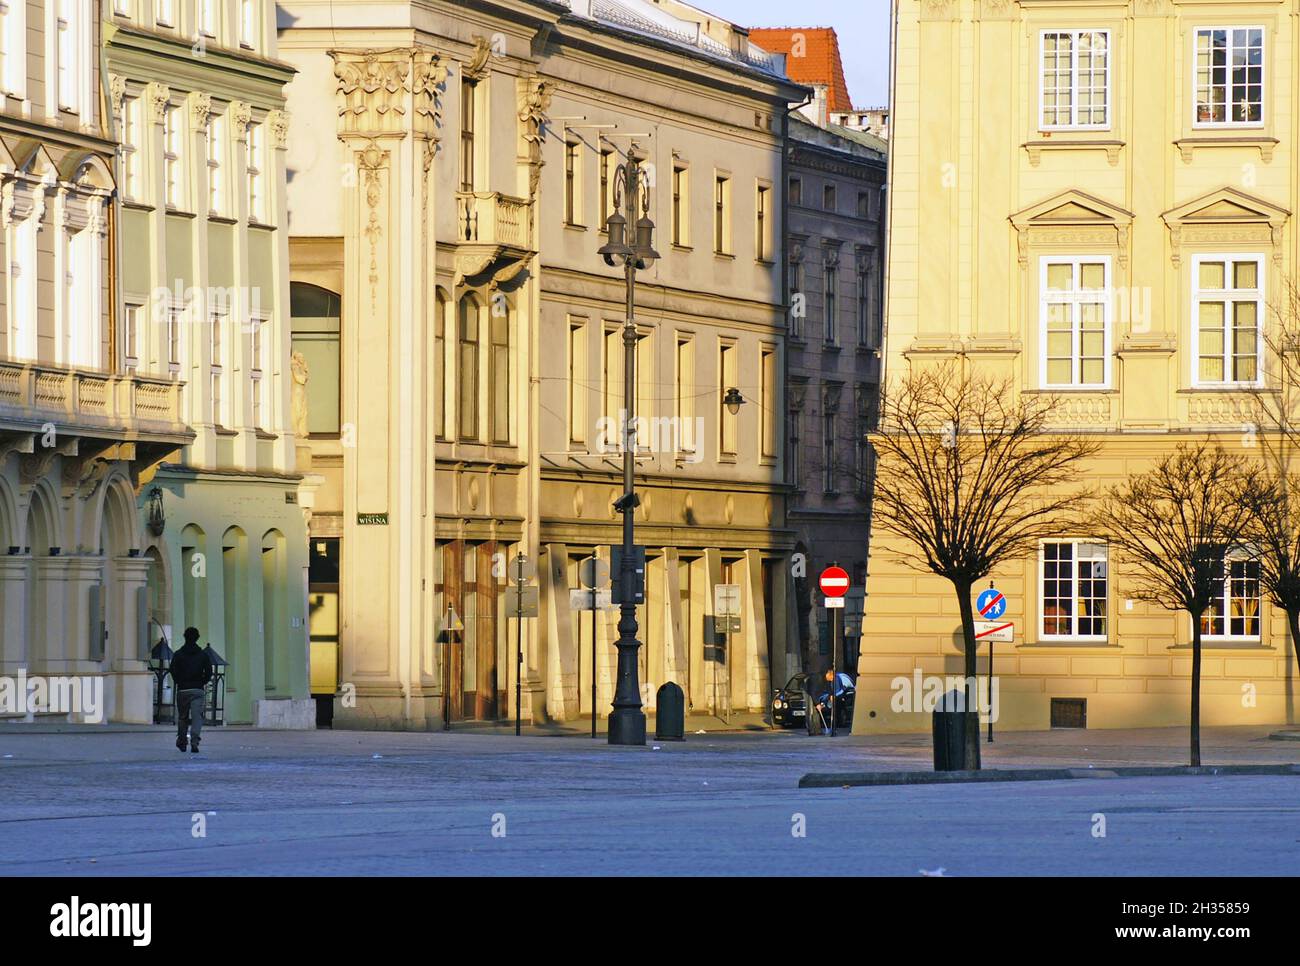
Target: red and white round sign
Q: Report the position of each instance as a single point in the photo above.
(834, 582)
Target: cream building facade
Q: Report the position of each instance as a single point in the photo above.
(446, 208)
(1096, 199)
(78, 430)
(197, 99)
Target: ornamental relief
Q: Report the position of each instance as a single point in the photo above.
(373, 88)
(1079, 236)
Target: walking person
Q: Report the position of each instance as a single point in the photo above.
(191, 670)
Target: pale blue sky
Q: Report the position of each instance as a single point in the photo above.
(861, 25)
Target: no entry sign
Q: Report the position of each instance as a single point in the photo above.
(834, 582)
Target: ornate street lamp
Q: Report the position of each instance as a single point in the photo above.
(632, 194)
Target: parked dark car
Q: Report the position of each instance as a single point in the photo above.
(789, 704)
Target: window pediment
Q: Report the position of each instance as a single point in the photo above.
(1226, 215)
(1072, 218)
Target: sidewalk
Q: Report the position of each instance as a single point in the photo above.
(738, 722)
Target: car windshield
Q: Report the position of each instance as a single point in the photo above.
(796, 683)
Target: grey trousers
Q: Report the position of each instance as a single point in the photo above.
(189, 710)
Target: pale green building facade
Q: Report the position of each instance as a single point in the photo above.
(197, 98)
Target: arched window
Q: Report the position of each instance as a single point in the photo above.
(467, 326)
(315, 325)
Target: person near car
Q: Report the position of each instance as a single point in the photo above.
(837, 683)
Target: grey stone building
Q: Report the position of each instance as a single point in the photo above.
(835, 248)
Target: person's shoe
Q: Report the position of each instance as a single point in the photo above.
(180, 743)
(194, 746)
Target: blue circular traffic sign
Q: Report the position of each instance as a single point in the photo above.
(991, 604)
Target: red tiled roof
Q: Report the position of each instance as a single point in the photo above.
(816, 62)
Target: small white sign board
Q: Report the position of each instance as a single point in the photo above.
(834, 603)
(726, 600)
(1000, 631)
(581, 600)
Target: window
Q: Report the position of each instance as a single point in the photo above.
(216, 366)
(865, 400)
(572, 182)
(828, 197)
(828, 452)
(468, 90)
(130, 148)
(255, 367)
(248, 25)
(768, 373)
(1229, 76)
(577, 382)
(1075, 312)
(440, 367)
(830, 307)
(796, 191)
(173, 172)
(1074, 589)
(165, 12)
(467, 367)
(1228, 312)
(122, 8)
(728, 378)
(684, 395)
(612, 374)
(68, 25)
(865, 298)
(794, 457)
(207, 18)
(23, 281)
(1234, 609)
(499, 371)
(216, 131)
(13, 56)
(721, 215)
(864, 204)
(681, 205)
(1075, 79)
(174, 338)
(796, 289)
(314, 314)
(762, 223)
(256, 181)
(131, 316)
(606, 185)
(644, 388)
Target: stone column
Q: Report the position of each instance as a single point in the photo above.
(387, 119)
(13, 612)
(129, 688)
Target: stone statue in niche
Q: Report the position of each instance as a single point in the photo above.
(298, 364)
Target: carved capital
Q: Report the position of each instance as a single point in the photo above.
(476, 68)
(428, 80)
(116, 91)
(200, 107)
(158, 97)
(373, 87)
(279, 123)
(240, 115)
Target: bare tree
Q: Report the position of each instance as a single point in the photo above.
(1174, 528)
(970, 475)
(1275, 430)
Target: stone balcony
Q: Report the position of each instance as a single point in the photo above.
(494, 236)
(92, 405)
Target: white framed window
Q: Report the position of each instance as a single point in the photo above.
(829, 469)
(1075, 79)
(13, 47)
(1075, 321)
(22, 254)
(165, 13)
(130, 348)
(1228, 319)
(256, 365)
(207, 19)
(256, 180)
(216, 125)
(130, 148)
(216, 363)
(174, 322)
(1229, 77)
(830, 306)
(248, 26)
(68, 27)
(1235, 607)
(122, 8)
(1074, 581)
(173, 170)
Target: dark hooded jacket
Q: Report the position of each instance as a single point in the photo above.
(191, 667)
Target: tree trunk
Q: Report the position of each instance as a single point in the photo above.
(1293, 624)
(1196, 690)
(972, 753)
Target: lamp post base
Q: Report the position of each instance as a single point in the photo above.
(627, 727)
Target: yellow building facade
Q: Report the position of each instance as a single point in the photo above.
(1095, 198)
